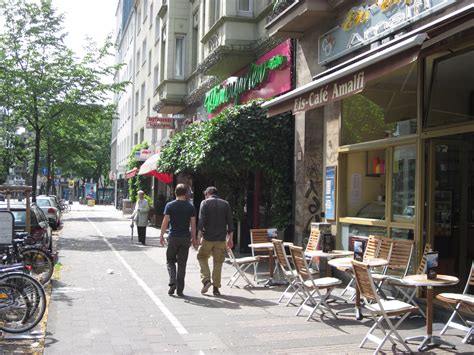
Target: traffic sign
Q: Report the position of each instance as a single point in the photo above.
(71, 184)
(57, 171)
(44, 171)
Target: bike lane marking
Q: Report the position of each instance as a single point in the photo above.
(167, 313)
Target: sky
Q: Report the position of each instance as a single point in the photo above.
(93, 18)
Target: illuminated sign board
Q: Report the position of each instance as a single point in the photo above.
(368, 23)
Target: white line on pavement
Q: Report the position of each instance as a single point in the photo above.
(174, 321)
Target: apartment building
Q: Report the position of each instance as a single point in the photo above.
(172, 53)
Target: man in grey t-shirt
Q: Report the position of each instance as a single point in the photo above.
(215, 227)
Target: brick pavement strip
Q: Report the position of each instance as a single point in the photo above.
(116, 302)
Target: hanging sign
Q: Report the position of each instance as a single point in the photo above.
(366, 24)
(160, 122)
(143, 154)
(330, 193)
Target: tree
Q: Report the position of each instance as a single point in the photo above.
(43, 82)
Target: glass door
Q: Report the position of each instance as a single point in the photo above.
(447, 203)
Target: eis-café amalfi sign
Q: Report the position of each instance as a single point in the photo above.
(372, 21)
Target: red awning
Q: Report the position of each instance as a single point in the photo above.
(131, 173)
(148, 168)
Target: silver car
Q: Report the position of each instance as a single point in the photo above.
(50, 209)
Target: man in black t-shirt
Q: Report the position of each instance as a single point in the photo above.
(181, 215)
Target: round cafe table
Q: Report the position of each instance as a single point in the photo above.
(346, 264)
(422, 281)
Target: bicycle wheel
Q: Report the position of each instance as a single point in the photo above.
(29, 304)
(41, 264)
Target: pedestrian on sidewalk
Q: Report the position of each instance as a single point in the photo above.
(180, 215)
(140, 215)
(215, 229)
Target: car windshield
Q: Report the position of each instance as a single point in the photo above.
(20, 217)
(43, 202)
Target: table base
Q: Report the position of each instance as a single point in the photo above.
(427, 340)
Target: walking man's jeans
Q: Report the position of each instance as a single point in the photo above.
(217, 250)
(177, 253)
(141, 234)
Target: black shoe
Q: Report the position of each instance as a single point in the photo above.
(206, 286)
(216, 291)
(180, 294)
(172, 289)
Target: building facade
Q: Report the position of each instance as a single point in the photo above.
(384, 121)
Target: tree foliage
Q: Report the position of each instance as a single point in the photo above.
(138, 182)
(42, 81)
(237, 143)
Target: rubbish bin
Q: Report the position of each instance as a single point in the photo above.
(91, 202)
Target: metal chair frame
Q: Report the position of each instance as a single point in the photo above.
(240, 265)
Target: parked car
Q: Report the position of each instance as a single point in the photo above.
(40, 229)
(50, 209)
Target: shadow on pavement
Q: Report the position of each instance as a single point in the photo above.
(226, 301)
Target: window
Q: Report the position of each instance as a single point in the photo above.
(244, 7)
(385, 108)
(149, 62)
(179, 58)
(138, 61)
(137, 97)
(142, 97)
(403, 183)
(157, 28)
(450, 96)
(145, 9)
(144, 51)
(151, 14)
(139, 19)
(155, 77)
(130, 71)
(154, 135)
(214, 11)
(135, 139)
(148, 106)
(142, 135)
(194, 58)
(163, 52)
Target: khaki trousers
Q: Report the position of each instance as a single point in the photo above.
(217, 250)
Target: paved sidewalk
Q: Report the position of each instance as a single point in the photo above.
(111, 298)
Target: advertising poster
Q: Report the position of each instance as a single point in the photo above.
(91, 191)
(329, 193)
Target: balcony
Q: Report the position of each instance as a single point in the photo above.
(170, 96)
(292, 18)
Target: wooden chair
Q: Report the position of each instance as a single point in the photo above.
(458, 301)
(399, 258)
(294, 287)
(408, 291)
(313, 243)
(260, 236)
(381, 310)
(311, 287)
(240, 265)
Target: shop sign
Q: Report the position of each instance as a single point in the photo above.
(337, 90)
(366, 24)
(143, 154)
(269, 76)
(330, 193)
(160, 122)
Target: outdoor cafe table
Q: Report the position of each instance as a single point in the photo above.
(346, 264)
(268, 247)
(328, 255)
(422, 281)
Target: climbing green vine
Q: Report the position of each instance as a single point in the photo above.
(138, 182)
(239, 142)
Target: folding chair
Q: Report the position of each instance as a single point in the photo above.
(458, 301)
(240, 265)
(311, 287)
(399, 257)
(381, 310)
(313, 243)
(371, 251)
(409, 291)
(294, 287)
(259, 236)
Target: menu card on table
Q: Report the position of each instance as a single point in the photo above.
(359, 247)
(431, 264)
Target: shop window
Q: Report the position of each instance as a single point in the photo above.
(366, 184)
(398, 233)
(385, 108)
(403, 184)
(450, 94)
